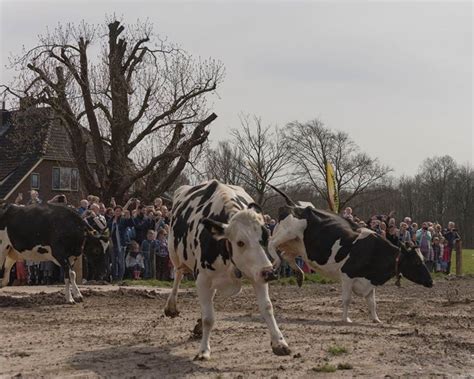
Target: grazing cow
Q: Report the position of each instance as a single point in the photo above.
(47, 233)
(218, 233)
(340, 249)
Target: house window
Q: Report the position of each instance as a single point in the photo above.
(35, 181)
(65, 179)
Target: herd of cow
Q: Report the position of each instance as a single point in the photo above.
(218, 234)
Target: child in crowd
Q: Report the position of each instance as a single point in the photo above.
(147, 246)
(446, 257)
(134, 261)
(437, 254)
(162, 256)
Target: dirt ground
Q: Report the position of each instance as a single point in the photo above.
(122, 332)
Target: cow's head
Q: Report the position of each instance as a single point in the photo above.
(412, 266)
(248, 236)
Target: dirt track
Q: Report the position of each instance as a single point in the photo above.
(122, 333)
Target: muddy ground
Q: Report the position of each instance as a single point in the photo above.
(123, 333)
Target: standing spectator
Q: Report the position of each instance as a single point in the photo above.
(142, 224)
(159, 221)
(147, 247)
(423, 239)
(165, 214)
(34, 198)
(437, 254)
(392, 235)
(414, 227)
(446, 261)
(84, 205)
(158, 203)
(118, 229)
(162, 256)
(403, 234)
(134, 261)
(95, 219)
(407, 220)
(451, 236)
(347, 214)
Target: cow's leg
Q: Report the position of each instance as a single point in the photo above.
(171, 309)
(346, 297)
(370, 298)
(206, 297)
(278, 343)
(9, 262)
(77, 295)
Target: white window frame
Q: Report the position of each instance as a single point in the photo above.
(62, 171)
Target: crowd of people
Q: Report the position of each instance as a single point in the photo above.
(138, 236)
(436, 242)
(139, 247)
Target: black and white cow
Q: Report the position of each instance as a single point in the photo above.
(48, 233)
(217, 232)
(358, 257)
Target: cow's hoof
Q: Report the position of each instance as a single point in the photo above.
(79, 299)
(299, 278)
(376, 321)
(171, 312)
(70, 302)
(281, 350)
(203, 356)
(347, 320)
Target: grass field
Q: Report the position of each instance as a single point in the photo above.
(467, 262)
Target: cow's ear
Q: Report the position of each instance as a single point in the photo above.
(216, 228)
(257, 208)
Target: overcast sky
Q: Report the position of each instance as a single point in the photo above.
(396, 76)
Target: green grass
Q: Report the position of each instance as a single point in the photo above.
(467, 262)
(158, 283)
(325, 368)
(337, 350)
(308, 278)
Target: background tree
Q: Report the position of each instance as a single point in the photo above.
(124, 91)
(312, 145)
(266, 150)
(225, 163)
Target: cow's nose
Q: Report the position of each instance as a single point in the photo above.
(269, 275)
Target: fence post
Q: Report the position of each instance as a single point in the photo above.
(458, 247)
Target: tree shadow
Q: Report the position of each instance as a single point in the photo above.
(139, 361)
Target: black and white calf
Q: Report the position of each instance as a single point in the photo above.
(48, 233)
(218, 233)
(358, 257)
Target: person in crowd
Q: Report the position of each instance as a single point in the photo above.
(34, 198)
(446, 260)
(158, 203)
(118, 226)
(423, 240)
(21, 273)
(414, 227)
(162, 256)
(148, 247)
(84, 206)
(47, 271)
(135, 261)
(142, 224)
(109, 214)
(58, 199)
(383, 229)
(347, 214)
(392, 235)
(102, 209)
(438, 231)
(272, 225)
(33, 272)
(451, 235)
(94, 218)
(159, 221)
(165, 214)
(407, 220)
(403, 234)
(437, 254)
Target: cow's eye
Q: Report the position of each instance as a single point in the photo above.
(240, 244)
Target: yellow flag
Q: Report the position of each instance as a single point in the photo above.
(333, 196)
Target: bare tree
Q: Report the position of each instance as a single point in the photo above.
(225, 163)
(265, 149)
(313, 145)
(127, 88)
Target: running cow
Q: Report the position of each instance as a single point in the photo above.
(48, 233)
(338, 248)
(218, 233)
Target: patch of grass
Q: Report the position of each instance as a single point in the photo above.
(325, 368)
(337, 350)
(467, 261)
(308, 278)
(158, 283)
(344, 366)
